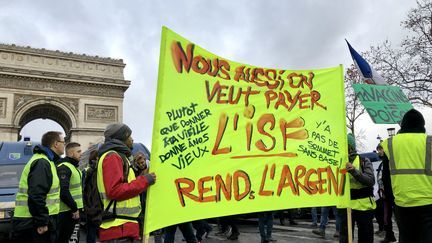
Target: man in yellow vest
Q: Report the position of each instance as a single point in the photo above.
(71, 200)
(362, 203)
(120, 186)
(38, 197)
(407, 173)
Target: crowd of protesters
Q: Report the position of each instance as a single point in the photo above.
(49, 202)
(404, 180)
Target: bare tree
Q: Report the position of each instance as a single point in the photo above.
(410, 64)
(353, 107)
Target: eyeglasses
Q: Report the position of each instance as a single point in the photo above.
(61, 141)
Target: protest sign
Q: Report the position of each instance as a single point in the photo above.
(232, 138)
(385, 104)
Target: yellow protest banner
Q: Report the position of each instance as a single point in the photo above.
(231, 138)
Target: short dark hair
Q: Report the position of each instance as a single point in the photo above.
(49, 138)
(71, 145)
(379, 146)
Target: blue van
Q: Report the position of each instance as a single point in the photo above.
(13, 157)
(372, 156)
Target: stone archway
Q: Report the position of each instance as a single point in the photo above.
(81, 93)
(46, 109)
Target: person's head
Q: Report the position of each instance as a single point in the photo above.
(55, 141)
(413, 121)
(73, 150)
(93, 158)
(351, 143)
(119, 131)
(380, 150)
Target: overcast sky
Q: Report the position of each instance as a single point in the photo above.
(287, 34)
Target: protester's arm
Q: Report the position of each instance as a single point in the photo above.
(115, 187)
(365, 177)
(64, 174)
(39, 184)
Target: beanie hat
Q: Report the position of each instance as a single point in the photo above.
(412, 119)
(118, 131)
(351, 141)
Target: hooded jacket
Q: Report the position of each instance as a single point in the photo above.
(39, 183)
(116, 187)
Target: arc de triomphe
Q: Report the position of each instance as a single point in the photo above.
(81, 93)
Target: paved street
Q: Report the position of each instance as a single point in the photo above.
(299, 233)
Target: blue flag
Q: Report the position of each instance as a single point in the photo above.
(368, 74)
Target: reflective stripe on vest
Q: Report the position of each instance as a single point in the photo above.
(427, 163)
(120, 210)
(47, 201)
(52, 201)
(52, 190)
(75, 188)
(130, 207)
(361, 204)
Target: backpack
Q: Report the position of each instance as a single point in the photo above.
(93, 206)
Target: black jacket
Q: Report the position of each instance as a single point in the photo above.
(124, 152)
(39, 183)
(388, 190)
(64, 174)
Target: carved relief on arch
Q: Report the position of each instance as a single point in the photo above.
(55, 86)
(101, 113)
(23, 102)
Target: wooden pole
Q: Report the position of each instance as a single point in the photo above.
(350, 232)
(146, 239)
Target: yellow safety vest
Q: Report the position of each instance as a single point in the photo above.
(75, 187)
(361, 204)
(53, 197)
(410, 163)
(129, 208)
